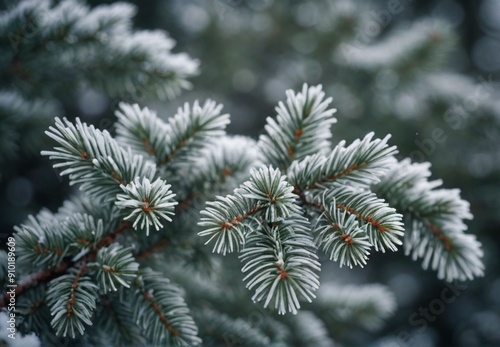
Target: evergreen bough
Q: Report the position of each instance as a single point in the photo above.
(48, 48)
(278, 203)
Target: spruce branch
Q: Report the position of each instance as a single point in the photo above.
(382, 223)
(434, 221)
(115, 268)
(83, 231)
(147, 203)
(302, 127)
(222, 165)
(190, 128)
(159, 309)
(268, 188)
(50, 273)
(342, 237)
(281, 264)
(142, 130)
(363, 162)
(226, 220)
(174, 144)
(115, 324)
(70, 39)
(72, 301)
(270, 219)
(41, 244)
(94, 159)
(365, 305)
(106, 212)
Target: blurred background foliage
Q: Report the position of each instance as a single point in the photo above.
(424, 71)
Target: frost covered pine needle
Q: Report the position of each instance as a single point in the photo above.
(147, 203)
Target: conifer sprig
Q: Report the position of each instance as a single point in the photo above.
(281, 264)
(115, 268)
(72, 300)
(384, 225)
(355, 305)
(94, 159)
(302, 127)
(342, 201)
(342, 237)
(96, 46)
(269, 189)
(362, 163)
(434, 221)
(147, 203)
(41, 244)
(224, 221)
(227, 219)
(159, 309)
(175, 142)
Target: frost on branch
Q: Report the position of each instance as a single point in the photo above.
(147, 203)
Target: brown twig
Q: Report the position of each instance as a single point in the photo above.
(159, 312)
(162, 244)
(49, 274)
(333, 177)
(439, 234)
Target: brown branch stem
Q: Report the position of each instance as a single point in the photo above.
(441, 236)
(47, 275)
(162, 244)
(160, 314)
(335, 176)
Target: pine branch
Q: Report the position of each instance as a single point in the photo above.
(115, 325)
(343, 237)
(160, 311)
(70, 39)
(94, 159)
(221, 329)
(366, 306)
(363, 163)
(434, 221)
(281, 264)
(309, 330)
(222, 166)
(72, 301)
(175, 141)
(227, 219)
(147, 203)
(383, 225)
(115, 268)
(302, 127)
